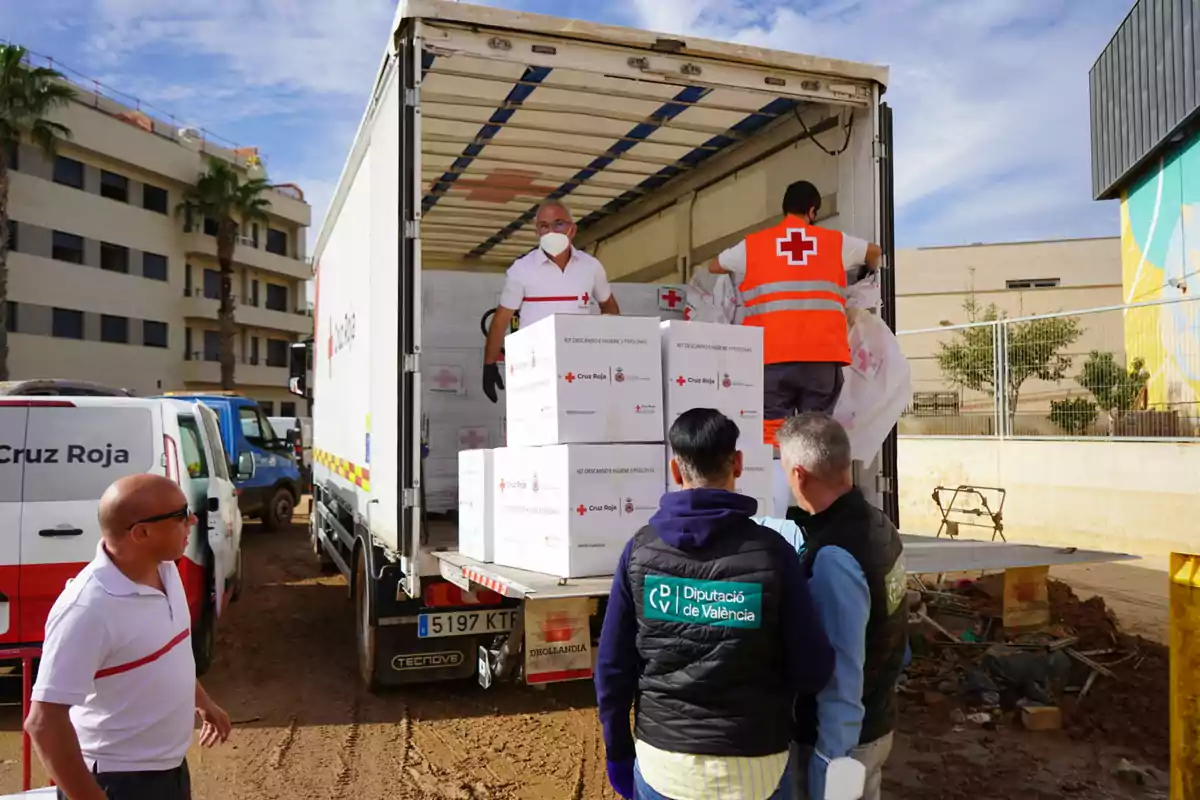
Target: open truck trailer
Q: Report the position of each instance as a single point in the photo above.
(667, 150)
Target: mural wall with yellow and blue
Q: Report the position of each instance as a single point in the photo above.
(1160, 237)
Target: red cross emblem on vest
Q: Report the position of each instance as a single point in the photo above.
(796, 246)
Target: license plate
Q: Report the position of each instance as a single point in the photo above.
(465, 623)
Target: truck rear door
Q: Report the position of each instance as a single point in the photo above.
(14, 416)
(73, 451)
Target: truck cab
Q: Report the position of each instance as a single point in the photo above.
(267, 477)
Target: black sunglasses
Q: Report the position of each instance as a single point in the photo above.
(180, 513)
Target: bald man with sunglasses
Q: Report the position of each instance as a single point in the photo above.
(116, 698)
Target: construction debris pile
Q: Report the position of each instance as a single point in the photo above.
(1072, 669)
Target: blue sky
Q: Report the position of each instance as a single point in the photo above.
(990, 96)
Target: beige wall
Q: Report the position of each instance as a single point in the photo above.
(1127, 496)
(933, 283)
(39, 283)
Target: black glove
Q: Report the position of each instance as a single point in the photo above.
(492, 379)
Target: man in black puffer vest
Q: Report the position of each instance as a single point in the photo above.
(709, 634)
(854, 562)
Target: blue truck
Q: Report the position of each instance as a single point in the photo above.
(273, 487)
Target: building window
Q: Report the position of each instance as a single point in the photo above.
(154, 198)
(254, 293)
(12, 152)
(114, 329)
(254, 351)
(210, 226)
(114, 186)
(12, 236)
(67, 324)
(276, 297)
(277, 353)
(67, 247)
(212, 346)
(10, 321)
(154, 334)
(267, 406)
(254, 233)
(276, 242)
(154, 266)
(114, 258)
(68, 172)
(1032, 283)
(212, 284)
(187, 280)
(187, 344)
(287, 409)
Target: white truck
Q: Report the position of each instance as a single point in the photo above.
(667, 149)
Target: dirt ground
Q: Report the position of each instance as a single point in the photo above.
(285, 672)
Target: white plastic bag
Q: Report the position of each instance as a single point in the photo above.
(876, 386)
(710, 298)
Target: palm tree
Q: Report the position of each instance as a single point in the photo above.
(220, 195)
(28, 95)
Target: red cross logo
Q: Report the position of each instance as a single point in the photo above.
(681, 380)
(473, 439)
(445, 379)
(797, 246)
(581, 510)
(670, 297)
(637, 408)
(585, 298)
(502, 484)
(569, 377)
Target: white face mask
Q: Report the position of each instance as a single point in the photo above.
(555, 244)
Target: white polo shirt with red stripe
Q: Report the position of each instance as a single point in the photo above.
(120, 654)
(538, 288)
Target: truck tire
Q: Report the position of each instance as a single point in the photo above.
(365, 634)
(278, 512)
(204, 640)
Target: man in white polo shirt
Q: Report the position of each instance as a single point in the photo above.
(116, 696)
(554, 279)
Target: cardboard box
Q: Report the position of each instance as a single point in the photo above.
(475, 504)
(574, 379)
(756, 480)
(706, 365)
(568, 510)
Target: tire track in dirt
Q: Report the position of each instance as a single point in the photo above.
(285, 744)
(347, 754)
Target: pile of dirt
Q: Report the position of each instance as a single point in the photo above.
(990, 671)
(1132, 710)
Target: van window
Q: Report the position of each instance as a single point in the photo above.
(193, 447)
(220, 465)
(76, 453)
(255, 427)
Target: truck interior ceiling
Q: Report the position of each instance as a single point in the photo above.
(661, 173)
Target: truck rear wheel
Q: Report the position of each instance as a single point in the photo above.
(204, 640)
(278, 513)
(365, 633)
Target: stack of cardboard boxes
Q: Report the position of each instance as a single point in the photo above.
(586, 466)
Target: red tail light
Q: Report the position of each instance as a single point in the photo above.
(447, 594)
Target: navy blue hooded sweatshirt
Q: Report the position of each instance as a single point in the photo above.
(698, 522)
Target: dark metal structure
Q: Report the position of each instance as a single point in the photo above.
(1145, 90)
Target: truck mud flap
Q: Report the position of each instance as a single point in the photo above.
(402, 658)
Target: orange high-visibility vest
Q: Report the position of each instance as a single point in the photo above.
(795, 290)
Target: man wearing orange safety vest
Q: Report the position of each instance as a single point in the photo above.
(792, 282)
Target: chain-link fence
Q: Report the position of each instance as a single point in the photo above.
(1121, 371)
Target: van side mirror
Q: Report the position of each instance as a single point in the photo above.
(245, 466)
(298, 368)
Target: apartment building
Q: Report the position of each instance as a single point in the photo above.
(107, 283)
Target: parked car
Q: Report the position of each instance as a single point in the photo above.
(59, 454)
(271, 485)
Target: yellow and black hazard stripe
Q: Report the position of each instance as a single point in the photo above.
(359, 476)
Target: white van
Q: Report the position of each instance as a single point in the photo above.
(59, 454)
